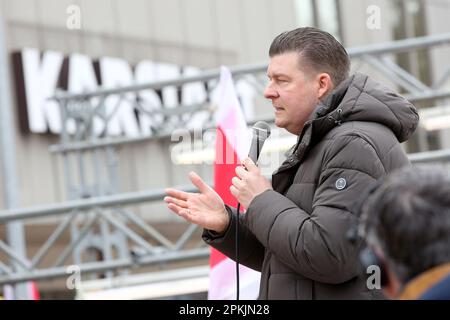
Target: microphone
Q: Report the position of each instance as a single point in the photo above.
(261, 131)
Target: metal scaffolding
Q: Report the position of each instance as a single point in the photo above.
(104, 240)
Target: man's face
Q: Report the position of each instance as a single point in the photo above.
(294, 93)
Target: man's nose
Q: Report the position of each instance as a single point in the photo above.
(270, 92)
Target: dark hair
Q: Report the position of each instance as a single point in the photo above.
(319, 49)
(408, 218)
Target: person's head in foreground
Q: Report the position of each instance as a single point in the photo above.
(407, 229)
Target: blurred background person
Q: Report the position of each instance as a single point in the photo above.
(407, 229)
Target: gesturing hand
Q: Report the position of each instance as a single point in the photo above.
(205, 209)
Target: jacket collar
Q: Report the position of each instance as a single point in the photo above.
(420, 284)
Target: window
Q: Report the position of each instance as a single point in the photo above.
(323, 14)
(410, 24)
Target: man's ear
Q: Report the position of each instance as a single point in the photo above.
(325, 85)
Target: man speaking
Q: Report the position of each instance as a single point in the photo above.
(349, 132)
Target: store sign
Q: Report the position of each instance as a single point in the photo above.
(38, 75)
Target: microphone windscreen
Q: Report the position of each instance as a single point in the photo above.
(263, 127)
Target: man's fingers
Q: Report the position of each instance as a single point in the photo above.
(237, 182)
(182, 212)
(177, 194)
(250, 165)
(234, 191)
(175, 208)
(241, 172)
(198, 182)
(178, 202)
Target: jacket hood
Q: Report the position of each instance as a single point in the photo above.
(359, 98)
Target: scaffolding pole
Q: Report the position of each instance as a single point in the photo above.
(96, 267)
(14, 230)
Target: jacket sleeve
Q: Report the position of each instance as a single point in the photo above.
(251, 251)
(315, 244)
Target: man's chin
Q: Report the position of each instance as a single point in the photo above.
(279, 123)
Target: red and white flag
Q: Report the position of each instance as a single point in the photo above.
(32, 292)
(232, 146)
